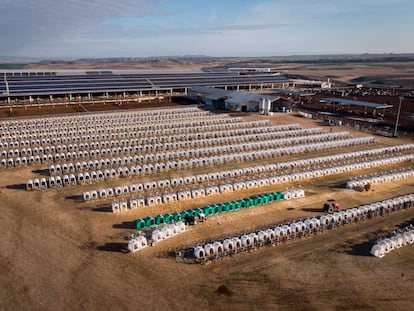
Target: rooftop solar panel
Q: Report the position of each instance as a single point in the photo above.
(100, 81)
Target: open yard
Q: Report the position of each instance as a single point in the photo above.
(58, 253)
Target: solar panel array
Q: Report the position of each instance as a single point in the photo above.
(2, 87)
(106, 81)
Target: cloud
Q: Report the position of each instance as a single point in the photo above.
(137, 31)
(27, 25)
(111, 28)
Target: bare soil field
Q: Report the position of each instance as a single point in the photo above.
(363, 72)
(43, 110)
(60, 254)
(390, 115)
(382, 69)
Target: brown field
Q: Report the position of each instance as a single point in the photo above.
(44, 110)
(56, 253)
(349, 71)
(390, 114)
(384, 69)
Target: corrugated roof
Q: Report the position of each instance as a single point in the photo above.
(344, 101)
(230, 96)
(245, 97)
(210, 92)
(292, 92)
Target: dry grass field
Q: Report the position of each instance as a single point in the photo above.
(384, 69)
(45, 110)
(60, 254)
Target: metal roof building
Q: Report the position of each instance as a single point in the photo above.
(351, 102)
(61, 83)
(230, 100)
(292, 92)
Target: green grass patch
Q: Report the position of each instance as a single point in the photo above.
(12, 66)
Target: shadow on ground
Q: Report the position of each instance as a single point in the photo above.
(312, 210)
(43, 172)
(113, 247)
(102, 209)
(75, 197)
(17, 187)
(125, 225)
(361, 249)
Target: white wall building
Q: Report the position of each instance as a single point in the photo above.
(230, 100)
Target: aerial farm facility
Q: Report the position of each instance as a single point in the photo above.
(181, 205)
(30, 85)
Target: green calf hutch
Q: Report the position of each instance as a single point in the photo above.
(280, 196)
(248, 203)
(226, 207)
(238, 204)
(149, 221)
(184, 214)
(219, 208)
(210, 210)
(176, 216)
(140, 224)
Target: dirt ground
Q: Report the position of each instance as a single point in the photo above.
(44, 110)
(390, 115)
(56, 253)
(340, 68)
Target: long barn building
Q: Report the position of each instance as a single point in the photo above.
(32, 84)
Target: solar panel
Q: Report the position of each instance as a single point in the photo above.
(92, 73)
(91, 81)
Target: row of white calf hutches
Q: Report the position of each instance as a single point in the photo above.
(62, 153)
(398, 239)
(36, 184)
(175, 120)
(182, 195)
(143, 145)
(119, 206)
(251, 240)
(171, 123)
(171, 197)
(272, 235)
(158, 234)
(325, 143)
(123, 205)
(93, 121)
(103, 140)
(98, 124)
(271, 168)
(134, 131)
(148, 153)
(248, 184)
(146, 144)
(137, 243)
(167, 231)
(384, 177)
(228, 158)
(67, 142)
(76, 120)
(145, 134)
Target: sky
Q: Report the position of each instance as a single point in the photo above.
(48, 29)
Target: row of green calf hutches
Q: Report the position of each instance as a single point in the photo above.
(209, 210)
